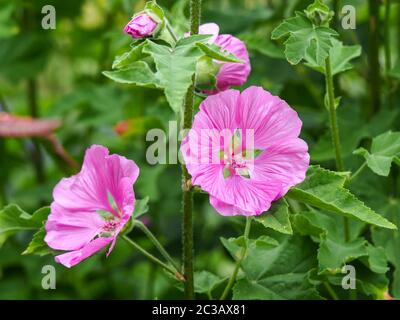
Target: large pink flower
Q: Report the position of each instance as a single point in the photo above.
(230, 74)
(244, 150)
(91, 208)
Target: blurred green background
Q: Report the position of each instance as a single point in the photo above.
(57, 74)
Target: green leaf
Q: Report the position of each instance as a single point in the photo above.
(277, 218)
(316, 223)
(332, 255)
(324, 189)
(135, 54)
(214, 51)
(13, 219)
(38, 246)
(376, 260)
(390, 241)
(275, 271)
(340, 56)
(138, 74)
(141, 207)
(303, 38)
(206, 282)
(385, 149)
(153, 9)
(176, 67)
(334, 250)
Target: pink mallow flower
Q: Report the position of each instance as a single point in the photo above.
(141, 26)
(91, 208)
(243, 149)
(230, 74)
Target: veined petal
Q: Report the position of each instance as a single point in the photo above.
(100, 177)
(233, 74)
(67, 230)
(270, 117)
(286, 161)
(72, 258)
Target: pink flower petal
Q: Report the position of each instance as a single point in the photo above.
(270, 117)
(233, 74)
(210, 28)
(286, 161)
(71, 231)
(72, 258)
(99, 177)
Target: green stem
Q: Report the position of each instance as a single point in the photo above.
(330, 290)
(156, 243)
(359, 170)
(171, 31)
(388, 58)
(134, 245)
(239, 261)
(332, 115)
(337, 8)
(187, 198)
(335, 129)
(373, 57)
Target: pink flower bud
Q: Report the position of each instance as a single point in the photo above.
(141, 26)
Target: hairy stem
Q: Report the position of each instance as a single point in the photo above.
(332, 115)
(239, 261)
(337, 4)
(330, 290)
(373, 59)
(157, 244)
(36, 153)
(388, 58)
(171, 31)
(359, 170)
(187, 198)
(334, 129)
(134, 245)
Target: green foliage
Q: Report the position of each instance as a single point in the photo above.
(176, 67)
(13, 219)
(277, 218)
(275, 270)
(138, 74)
(340, 57)
(206, 282)
(390, 241)
(304, 39)
(295, 252)
(325, 190)
(214, 51)
(385, 149)
(135, 54)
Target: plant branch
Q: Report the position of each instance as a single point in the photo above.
(134, 245)
(239, 261)
(373, 59)
(332, 115)
(187, 198)
(157, 244)
(335, 129)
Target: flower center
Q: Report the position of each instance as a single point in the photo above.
(238, 161)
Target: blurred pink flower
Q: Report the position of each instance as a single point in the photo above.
(230, 74)
(91, 208)
(141, 26)
(244, 150)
